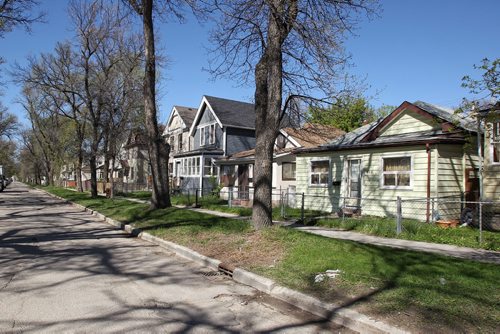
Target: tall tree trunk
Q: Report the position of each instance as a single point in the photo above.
(112, 179)
(268, 92)
(79, 163)
(93, 176)
(158, 150)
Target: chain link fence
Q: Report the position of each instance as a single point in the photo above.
(378, 216)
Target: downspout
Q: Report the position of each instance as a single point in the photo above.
(428, 150)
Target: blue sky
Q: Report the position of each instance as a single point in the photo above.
(415, 50)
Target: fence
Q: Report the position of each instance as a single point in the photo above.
(386, 217)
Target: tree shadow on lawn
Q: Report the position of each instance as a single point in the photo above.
(437, 293)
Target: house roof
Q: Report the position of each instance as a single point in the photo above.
(311, 135)
(368, 135)
(187, 114)
(233, 113)
(201, 151)
(448, 115)
(136, 137)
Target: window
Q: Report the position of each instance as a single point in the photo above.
(172, 143)
(202, 136)
(495, 143)
(396, 172)
(319, 172)
(288, 171)
(212, 134)
(208, 168)
(179, 142)
(207, 135)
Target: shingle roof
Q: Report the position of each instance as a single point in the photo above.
(448, 115)
(233, 113)
(311, 135)
(187, 114)
(354, 137)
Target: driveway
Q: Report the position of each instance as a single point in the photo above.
(63, 271)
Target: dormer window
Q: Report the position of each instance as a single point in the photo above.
(207, 135)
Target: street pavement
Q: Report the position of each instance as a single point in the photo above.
(63, 271)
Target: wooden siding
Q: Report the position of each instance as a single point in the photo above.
(238, 140)
(408, 122)
(376, 200)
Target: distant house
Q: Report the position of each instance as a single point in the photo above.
(237, 170)
(136, 167)
(221, 127)
(177, 136)
(419, 151)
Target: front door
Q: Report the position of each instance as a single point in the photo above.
(243, 182)
(353, 182)
(471, 185)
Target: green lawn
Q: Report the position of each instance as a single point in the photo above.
(414, 230)
(417, 289)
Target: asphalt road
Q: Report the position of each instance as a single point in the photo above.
(62, 271)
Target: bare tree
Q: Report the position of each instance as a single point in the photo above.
(15, 13)
(58, 78)
(289, 48)
(8, 122)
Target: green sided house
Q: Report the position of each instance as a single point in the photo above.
(420, 152)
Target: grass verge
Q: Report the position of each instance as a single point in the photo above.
(424, 292)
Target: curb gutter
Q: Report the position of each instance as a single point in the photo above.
(344, 317)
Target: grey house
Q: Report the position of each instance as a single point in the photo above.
(220, 128)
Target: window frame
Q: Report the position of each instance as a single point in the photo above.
(179, 142)
(383, 173)
(494, 140)
(202, 135)
(294, 169)
(319, 174)
(211, 135)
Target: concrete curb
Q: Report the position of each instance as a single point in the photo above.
(345, 317)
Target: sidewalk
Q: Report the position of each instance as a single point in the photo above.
(480, 255)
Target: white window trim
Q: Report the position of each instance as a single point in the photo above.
(212, 135)
(382, 173)
(320, 185)
(492, 143)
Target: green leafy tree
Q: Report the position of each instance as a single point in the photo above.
(346, 114)
(488, 85)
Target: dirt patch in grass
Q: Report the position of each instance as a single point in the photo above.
(248, 250)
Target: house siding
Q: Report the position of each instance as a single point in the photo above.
(408, 122)
(238, 140)
(450, 186)
(376, 200)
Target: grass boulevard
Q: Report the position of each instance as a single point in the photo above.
(424, 292)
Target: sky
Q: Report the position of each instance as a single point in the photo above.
(415, 50)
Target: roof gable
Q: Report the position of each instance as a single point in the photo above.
(227, 113)
(185, 116)
(428, 117)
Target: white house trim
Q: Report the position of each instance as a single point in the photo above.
(204, 102)
(290, 138)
